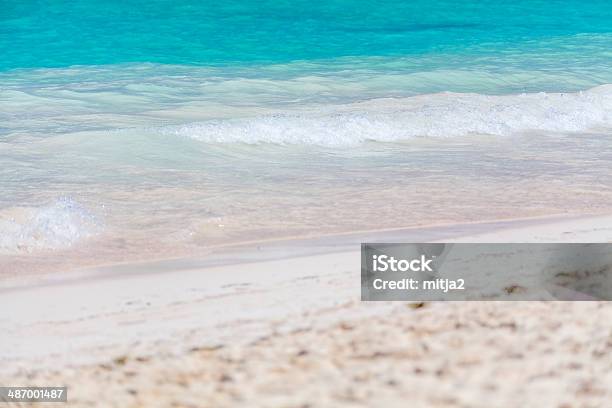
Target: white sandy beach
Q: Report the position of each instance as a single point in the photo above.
(226, 204)
(281, 324)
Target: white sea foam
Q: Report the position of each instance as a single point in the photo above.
(44, 103)
(436, 115)
(55, 226)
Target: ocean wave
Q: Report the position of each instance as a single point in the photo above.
(58, 225)
(436, 115)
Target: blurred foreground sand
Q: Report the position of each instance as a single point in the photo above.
(472, 354)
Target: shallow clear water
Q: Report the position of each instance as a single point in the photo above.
(131, 129)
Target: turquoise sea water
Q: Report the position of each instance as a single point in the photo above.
(199, 122)
(52, 33)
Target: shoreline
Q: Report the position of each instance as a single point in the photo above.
(527, 229)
